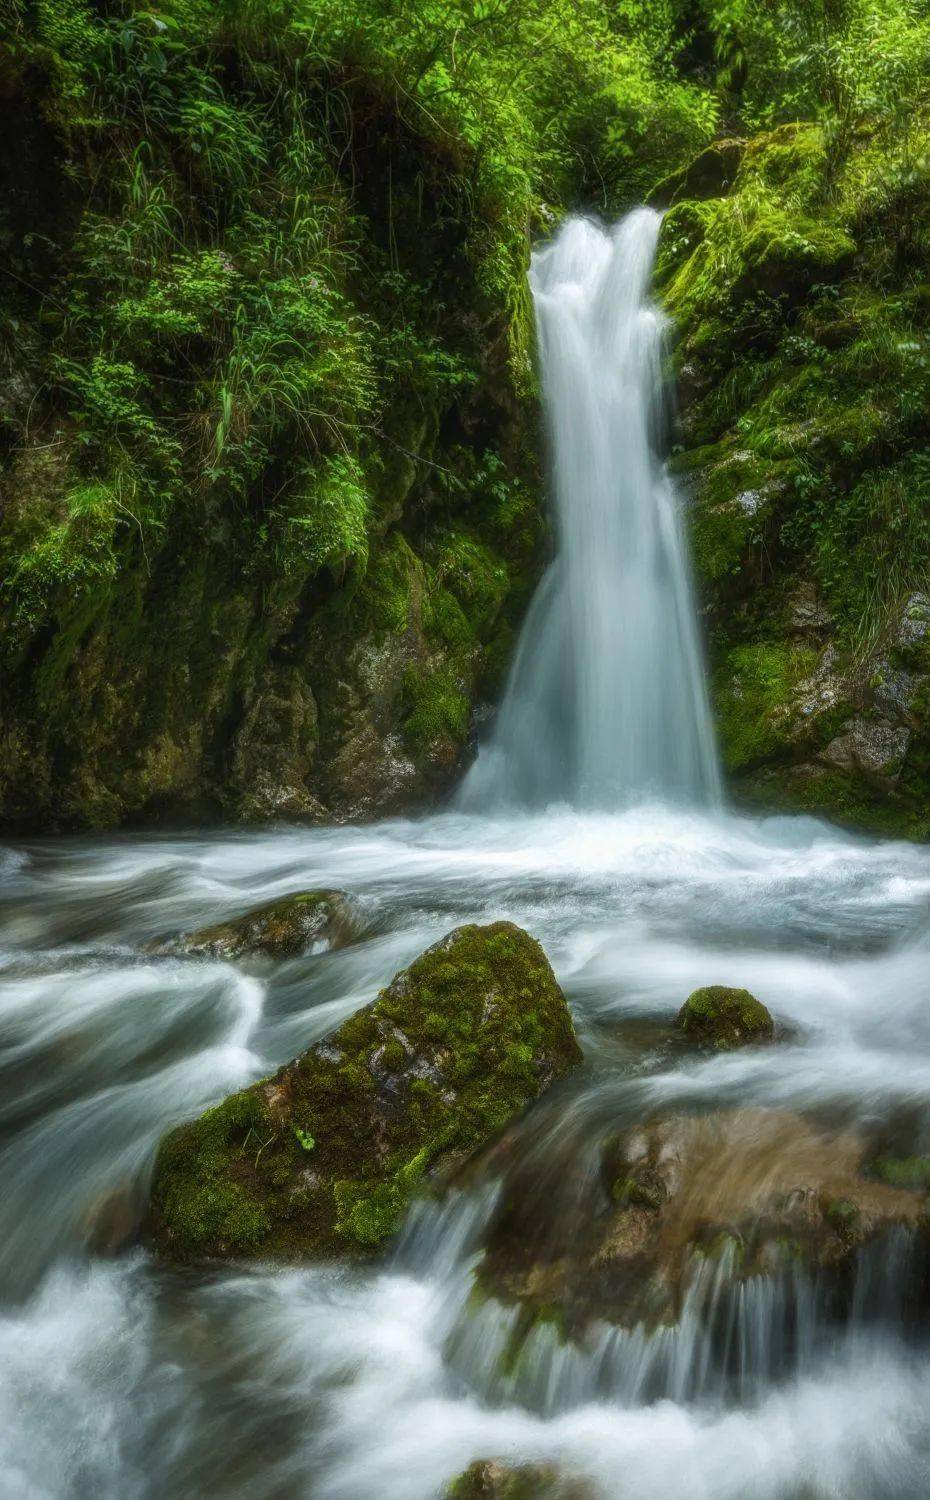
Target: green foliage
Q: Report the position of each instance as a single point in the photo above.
(77, 552)
(270, 298)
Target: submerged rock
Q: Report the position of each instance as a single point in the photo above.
(725, 1018)
(282, 929)
(758, 1191)
(323, 1158)
(488, 1480)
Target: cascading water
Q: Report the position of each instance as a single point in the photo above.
(606, 702)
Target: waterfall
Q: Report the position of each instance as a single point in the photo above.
(606, 701)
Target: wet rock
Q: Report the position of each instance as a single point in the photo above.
(323, 1158)
(876, 749)
(759, 1192)
(914, 624)
(489, 1480)
(893, 691)
(283, 929)
(719, 1017)
(808, 615)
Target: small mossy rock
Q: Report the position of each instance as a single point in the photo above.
(725, 1018)
(488, 1480)
(282, 929)
(323, 1158)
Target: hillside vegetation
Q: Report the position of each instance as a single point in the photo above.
(268, 424)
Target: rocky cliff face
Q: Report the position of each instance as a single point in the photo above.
(798, 292)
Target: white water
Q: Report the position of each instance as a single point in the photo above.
(123, 1379)
(129, 1381)
(606, 700)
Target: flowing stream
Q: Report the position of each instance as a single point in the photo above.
(122, 1378)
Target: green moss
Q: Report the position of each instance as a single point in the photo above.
(753, 692)
(393, 587)
(842, 1215)
(643, 1188)
(904, 1171)
(492, 1481)
(843, 798)
(724, 1018)
(439, 707)
(456, 1046)
(207, 1172)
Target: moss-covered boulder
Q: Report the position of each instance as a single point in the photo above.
(720, 1017)
(488, 1480)
(323, 1158)
(283, 929)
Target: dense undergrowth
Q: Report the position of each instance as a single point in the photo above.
(271, 504)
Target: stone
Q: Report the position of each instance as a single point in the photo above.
(758, 1191)
(309, 921)
(724, 1018)
(914, 623)
(709, 175)
(873, 748)
(893, 691)
(323, 1158)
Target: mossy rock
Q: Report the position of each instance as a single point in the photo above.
(282, 929)
(323, 1158)
(710, 175)
(488, 1480)
(724, 1018)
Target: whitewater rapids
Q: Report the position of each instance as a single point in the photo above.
(123, 1379)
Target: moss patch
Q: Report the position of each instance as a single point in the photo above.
(754, 691)
(493, 1481)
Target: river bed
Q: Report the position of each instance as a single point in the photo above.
(122, 1377)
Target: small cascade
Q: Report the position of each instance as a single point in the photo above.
(606, 701)
(734, 1335)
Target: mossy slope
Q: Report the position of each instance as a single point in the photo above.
(322, 1158)
(797, 286)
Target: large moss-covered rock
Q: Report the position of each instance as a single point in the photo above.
(717, 1016)
(283, 929)
(322, 1158)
